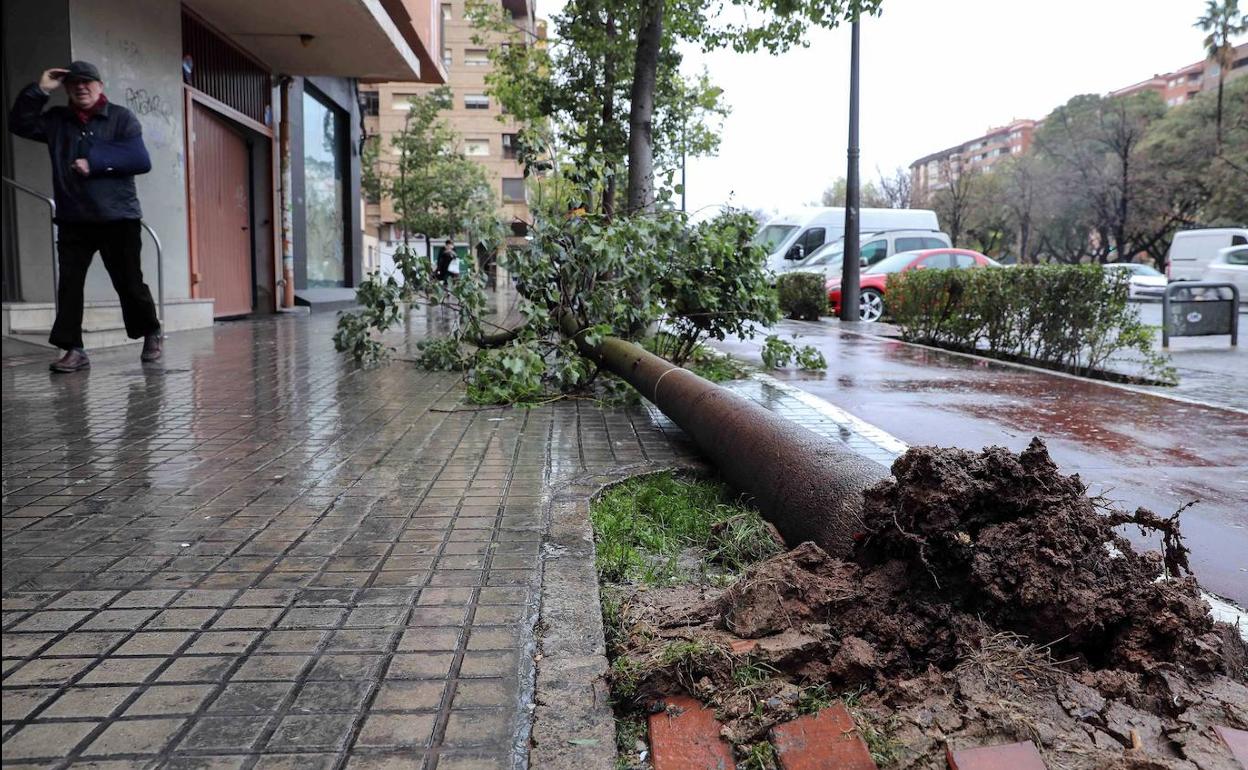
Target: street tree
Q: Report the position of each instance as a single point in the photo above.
(869, 196)
(954, 203)
(1222, 20)
(895, 188)
(609, 77)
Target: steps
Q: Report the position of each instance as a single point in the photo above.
(102, 325)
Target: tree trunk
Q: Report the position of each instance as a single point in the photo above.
(1217, 135)
(1124, 201)
(608, 117)
(641, 110)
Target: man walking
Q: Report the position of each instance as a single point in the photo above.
(96, 149)
(445, 257)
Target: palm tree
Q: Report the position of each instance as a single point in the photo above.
(1222, 21)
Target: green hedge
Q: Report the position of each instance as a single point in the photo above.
(802, 295)
(1068, 317)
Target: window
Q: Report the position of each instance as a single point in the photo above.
(513, 189)
(402, 102)
(964, 260)
(476, 57)
(446, 12)
(369, 103)
(918, 244)
(1238, 240)
(771, 236)
(874, 251)
(1237, 257)
(446, 57)
(934, 262)
(511, 145)
(811, 239)
(477, 147)
(476, 102)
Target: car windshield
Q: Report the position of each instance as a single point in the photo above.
(833, 252)
(893, 264)
(771, 236)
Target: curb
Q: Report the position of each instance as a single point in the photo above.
(573, 724)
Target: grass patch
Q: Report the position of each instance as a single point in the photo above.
(760, 756)
(666, 530)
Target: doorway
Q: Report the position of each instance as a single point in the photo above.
(222, 203)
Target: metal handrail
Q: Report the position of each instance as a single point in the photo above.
(56, 273)
(160, 274)
(56, 276)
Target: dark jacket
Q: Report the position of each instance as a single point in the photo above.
(112, 143)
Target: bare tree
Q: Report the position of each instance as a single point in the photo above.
(955, 201)
(895, 188)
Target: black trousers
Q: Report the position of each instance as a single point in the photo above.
(120, 245)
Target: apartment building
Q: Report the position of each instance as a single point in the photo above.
(1179, 86)
(484, 134)
(251, 116)
(934, 172)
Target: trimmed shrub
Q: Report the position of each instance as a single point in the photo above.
(1068, 317)
(802, 295)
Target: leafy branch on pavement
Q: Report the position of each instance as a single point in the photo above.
(628, 277)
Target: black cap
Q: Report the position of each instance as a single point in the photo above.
(82, 70)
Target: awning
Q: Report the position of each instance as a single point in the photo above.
(343, 38)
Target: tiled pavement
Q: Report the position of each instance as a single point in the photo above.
(257, 555)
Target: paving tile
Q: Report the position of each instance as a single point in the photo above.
(167, 700)
(419, 665)
(45, 740)
(79, 702)
(122, 671)
(144, 736)
(233, 733)
(322, 731)
(400, 731)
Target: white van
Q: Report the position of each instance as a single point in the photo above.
(1191, 251)
(872, 248)
(794, 236)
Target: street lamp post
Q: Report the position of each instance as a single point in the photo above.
(849, 264)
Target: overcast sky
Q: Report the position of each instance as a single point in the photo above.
(934, 74)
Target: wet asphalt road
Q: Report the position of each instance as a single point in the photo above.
(1135, 448)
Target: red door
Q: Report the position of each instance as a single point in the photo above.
(222, 201)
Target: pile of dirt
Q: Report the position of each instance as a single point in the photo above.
(988, 596)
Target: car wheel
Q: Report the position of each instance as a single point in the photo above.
(870, 305)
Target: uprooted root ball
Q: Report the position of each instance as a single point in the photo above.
(977, 574)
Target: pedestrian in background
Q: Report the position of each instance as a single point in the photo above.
(445, 257)
(96, 148)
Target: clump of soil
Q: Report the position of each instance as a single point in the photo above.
(988, 598)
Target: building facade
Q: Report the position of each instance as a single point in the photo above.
(250, 112)
(477, 119)
(933, 172)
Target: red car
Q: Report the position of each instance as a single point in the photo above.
(871, 283)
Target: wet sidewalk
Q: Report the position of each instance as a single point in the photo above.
(1134, 447)
(257, 555)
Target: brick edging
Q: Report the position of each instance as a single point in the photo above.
(573, 725)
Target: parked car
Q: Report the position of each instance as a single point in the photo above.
(1144, 281)
(792, 237)
(873, 247)
(873, 279)
(1191, 251)
(1230, 266)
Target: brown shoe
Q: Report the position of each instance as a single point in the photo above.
(151, 348)
(72, 361)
